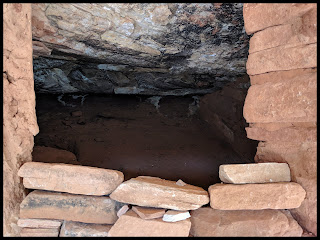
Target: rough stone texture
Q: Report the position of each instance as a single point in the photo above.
(175, 216)
(282, 63)
(227, 119)
(19, 117)
(39, 223)
(70, 207)
(53, 155)
(254, 173)
(69, 178)
(282, 58)
(208, 222)
(39, 232)
(160, 193)
(79, 229)
(296, 104)
(302, 159)
(258, 16)
(131, 225)
(162, 48)
(256, 196)
(299, 31)
(282, 75)
(148, 213)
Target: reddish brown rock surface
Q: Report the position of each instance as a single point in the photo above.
(254, 173)
(208, 222)
(69, 178)
(53, 155)
(70, 207)
(39, 232)
(148, 213)
(258, 16)
(39, 223)
(256, 196)
(131, 225)
(19, 116)
(79, 229)
(160, 193)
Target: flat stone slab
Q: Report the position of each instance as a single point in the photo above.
(70, 178)
(160, 193)
(39, 232)
(131, 225)
(175, 216)
(148, 212)
(256, 196)
(70, 207)
(38, 223)
(208, 222)
(79, 229)
(254, 173)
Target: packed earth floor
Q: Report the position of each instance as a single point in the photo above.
(137, 135)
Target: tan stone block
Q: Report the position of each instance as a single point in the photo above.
(251, 196)
(148, 212)
(131, 225)
(282, 58)
(79, 229)
(254, 173)
(70, 207)
(39, 223)
(208, 222)
(299, 31)
(291, 101)
(39, 232)
(53, 155)
(302, 160)
(70, 178)
(258, 16)
(282, 76)
(292, 134)
(160, 193)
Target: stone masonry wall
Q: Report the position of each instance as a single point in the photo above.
(19, 117)
(281, 103)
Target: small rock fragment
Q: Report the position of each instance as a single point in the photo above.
(180, 183)
(148, 212)
(175, 216)
(122, 210)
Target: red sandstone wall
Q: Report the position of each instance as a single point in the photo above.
(281, 104)
(19, 118)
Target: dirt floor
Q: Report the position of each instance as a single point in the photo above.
(135, 135)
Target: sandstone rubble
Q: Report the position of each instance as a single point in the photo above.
(160, 193)
(70, 178)
(39, 223)
(39, 232)
(79, 229)
(131, 225)
(281, 195)
(70, 207)
(254, 173)
(148, 212)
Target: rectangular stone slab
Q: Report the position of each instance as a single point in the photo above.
(131, 225)
(160, 193)
(70, 178)
(38, 223)
(79, 229)
(254, 173)
(39, 232)
(256, 196)
(208, 222)
(72, 207)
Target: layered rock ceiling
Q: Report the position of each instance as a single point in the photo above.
(141, 48)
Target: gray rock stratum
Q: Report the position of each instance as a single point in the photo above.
(137, 48)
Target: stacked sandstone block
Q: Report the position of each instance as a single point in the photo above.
(251, 202)
(80, 201)
(281, 104)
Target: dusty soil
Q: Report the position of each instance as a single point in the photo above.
(130, 134)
